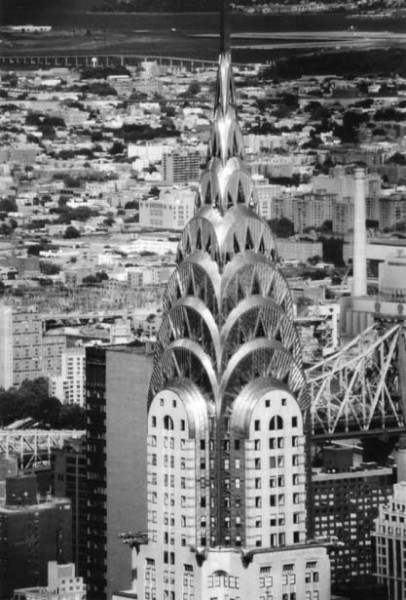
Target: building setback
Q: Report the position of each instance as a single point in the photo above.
(116, 385)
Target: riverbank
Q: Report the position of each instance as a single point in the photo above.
(191, 35)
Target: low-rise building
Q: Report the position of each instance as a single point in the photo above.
(172, 210)
(62, 585)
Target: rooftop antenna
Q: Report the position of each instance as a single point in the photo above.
(225, 44)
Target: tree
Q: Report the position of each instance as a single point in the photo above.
(154, 191)
(5, 229)
(397, 159)
(371, 224)
(72, 416)
(8, 205)
(313, 260)
(193, 89)
(81, 213)
(117, 148)
(71, 232)
(95, 279)
(132, 204)
(326, 226)
(32, 399)
(48, 268)
(282, 227)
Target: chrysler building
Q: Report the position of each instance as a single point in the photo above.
(229, 514)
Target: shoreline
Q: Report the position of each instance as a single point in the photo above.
(117, 12)
(347, 15)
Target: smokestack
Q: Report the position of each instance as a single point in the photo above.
(359, 287)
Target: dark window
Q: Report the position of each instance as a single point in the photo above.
(168, 423)
(276, 423)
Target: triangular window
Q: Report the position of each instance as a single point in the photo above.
(190, 288)
(240, 292)
(260, 329)
(256, 286)
(241, 194)
(249, 245)
(208, 194)
(199, 240)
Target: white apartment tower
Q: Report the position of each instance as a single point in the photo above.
(228, 404)
(390, 535)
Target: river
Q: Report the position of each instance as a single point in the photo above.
(185, 34)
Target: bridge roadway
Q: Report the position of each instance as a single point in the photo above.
(33, 447)
(106, 60)
(97, 315)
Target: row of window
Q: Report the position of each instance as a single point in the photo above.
(274, 521)
(278, 442)
(277, 500)
(277, 481)
(223, 580)
(277, 540)
(274, 442)
(278, 461)
(274, 462)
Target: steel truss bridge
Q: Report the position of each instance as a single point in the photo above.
(33, 447)
(75, 60)
(360, 391)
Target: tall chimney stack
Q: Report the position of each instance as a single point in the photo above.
(359, 287)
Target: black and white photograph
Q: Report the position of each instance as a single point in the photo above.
(202, 300)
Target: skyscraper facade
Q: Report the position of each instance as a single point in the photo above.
(228, 464)
(390, 535)
(69, 469)
(116, 385)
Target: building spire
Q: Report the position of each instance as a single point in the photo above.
(225, 44)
